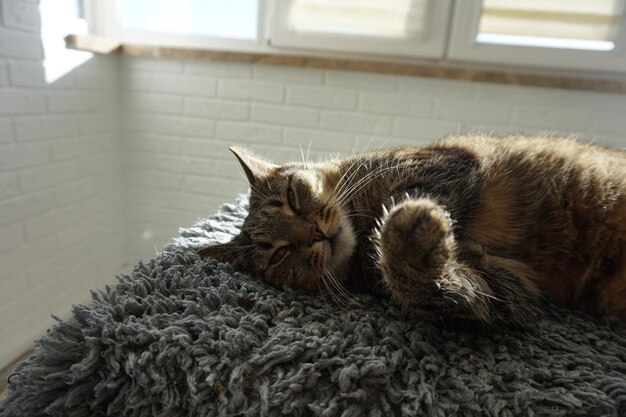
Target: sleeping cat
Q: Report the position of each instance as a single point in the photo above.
(473, 228)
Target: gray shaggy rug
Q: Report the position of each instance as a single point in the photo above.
(181, 336)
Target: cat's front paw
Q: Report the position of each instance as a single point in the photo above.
(416, 239)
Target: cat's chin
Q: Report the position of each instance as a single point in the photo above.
(342, 244)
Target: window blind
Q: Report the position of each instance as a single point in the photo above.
(388, 18)
(592, 20)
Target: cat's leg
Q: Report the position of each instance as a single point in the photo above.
(426, 270)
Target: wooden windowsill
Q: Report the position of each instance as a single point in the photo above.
(513, 77)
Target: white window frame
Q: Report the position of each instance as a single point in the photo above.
(433, 44)
(449, 38)
(103, 17)
(463, 47)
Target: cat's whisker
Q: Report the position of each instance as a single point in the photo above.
(306, 161)
(341, 289)
(332, 293)
(302, 153)
(363, 182)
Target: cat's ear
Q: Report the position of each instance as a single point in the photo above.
(229, 252)
(253, 166)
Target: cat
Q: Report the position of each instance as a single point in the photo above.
(473, 227)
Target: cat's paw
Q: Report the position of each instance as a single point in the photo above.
(416, 239)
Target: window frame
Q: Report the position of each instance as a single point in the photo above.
(103, 18)
(464, 48)
(432, 46)
(453, 44)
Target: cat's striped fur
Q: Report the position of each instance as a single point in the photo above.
(472, 227)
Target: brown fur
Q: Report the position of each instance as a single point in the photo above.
(472, 227)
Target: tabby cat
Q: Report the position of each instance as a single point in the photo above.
(473, 227)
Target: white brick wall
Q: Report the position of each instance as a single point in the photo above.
(61, 217)
(177, 157)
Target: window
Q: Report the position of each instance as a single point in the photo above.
(588, 35)
(580, 34)
(391, 27)
(216, 24)
(229, 19)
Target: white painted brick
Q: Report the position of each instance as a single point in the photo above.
(356, 122)
(248, 132)
(25, 207)
(296, 75)
(13, 261)
(199, 166)
(96, 79)
(75, 192)
(163, 216)
(11, 288)
(12, 237)
(152, 64)
(8, 185)
(154, 103)
(424, 128)
(206, 148)
(27, 74)
(4, 74)
(285, 115)
(218, 186)
(468, 110)
(43, 177)
(97, 122)
(184, 84)
(230, 169)
(16, 156)
(136, 80)
(20, 14)
(361, 80)
(74, 233)
(183, 126)
(326, 98)
(436, 88)
(318, 139)
(155, 143)
(71, 102)
(396, 104)
(63, 149)
(52, 221)
(21, 101)
(569, 119)
(251, 90)
(16, 44)
(486, 92)
(218, 69)
(6, 130)
(44, 127)
(611, 122)
(156, 179)
(216, 109)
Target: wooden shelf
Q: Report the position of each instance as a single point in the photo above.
(101, 45)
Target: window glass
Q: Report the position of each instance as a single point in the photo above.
(231, 19)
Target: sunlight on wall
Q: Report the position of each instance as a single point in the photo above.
(58, 19)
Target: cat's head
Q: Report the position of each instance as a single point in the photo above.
(297, 233)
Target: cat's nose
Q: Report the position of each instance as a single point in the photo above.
(316, 235)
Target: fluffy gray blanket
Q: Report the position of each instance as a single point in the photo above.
(180, 336)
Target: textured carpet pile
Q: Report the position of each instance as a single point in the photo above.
(181, 336)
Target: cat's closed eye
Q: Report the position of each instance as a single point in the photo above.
(279, 255)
